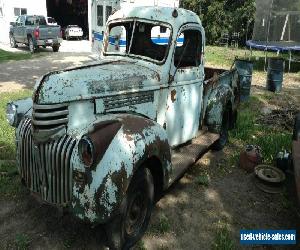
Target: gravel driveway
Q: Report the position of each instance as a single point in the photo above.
(16, 75)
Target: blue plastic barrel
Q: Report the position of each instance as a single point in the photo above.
(275, 74)
(244, 69)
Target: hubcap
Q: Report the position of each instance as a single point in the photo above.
(30, 45)
(12, 41)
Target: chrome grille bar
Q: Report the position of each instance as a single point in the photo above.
(45, 168)
(48, 120)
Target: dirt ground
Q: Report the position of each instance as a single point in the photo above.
(17, 75)
(188, 216)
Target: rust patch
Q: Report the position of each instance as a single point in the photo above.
(173, 95)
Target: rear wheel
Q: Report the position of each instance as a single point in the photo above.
(222, 141)
(296, 131)
(31, 45)
(12, 41)
(125, 230)
(55, 48)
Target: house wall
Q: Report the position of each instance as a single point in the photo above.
(33, 7)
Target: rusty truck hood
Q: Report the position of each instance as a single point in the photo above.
(96, 80)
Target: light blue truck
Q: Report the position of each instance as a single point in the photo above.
(106, 140)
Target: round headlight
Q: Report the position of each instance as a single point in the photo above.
(11, 114)
(86, 151)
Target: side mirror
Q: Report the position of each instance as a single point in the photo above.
(12, 23)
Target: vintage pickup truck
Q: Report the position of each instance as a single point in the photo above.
(106, 139)
(34, 32)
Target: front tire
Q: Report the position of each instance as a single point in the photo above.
(12, 41)
(127, 228)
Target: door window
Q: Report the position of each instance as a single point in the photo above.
(188, 49)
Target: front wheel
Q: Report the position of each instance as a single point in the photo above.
(55, 48)
(12, 41)
(125, 230)
(31, 45)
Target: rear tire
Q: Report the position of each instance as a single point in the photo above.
(128, 227)
(31, 46)
(55, 48)
(296, 131)
(222, 141)
(12, 41)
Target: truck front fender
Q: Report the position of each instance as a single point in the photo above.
(99, 191)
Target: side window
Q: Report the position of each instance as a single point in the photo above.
(22, 20)
(29, 21)
(117, 39)
(100, 15)
(188, 49)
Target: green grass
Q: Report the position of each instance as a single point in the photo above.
(163, 226)
(224, 57)
(223, 240)
(202, 179)
(7, 135)
(271, 139)
(6, 56)
(9, 182)
(22, 242)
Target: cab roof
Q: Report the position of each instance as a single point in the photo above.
(161, 14)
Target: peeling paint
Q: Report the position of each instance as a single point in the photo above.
(132, 110)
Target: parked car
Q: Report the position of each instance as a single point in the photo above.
(73, 31)
(34, 32)
(106, 140)
(51, 21)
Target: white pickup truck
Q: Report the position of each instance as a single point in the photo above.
(105, 140)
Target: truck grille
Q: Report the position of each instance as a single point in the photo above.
(47, 117)
(45, 168)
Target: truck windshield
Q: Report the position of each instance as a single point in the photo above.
(138, 38)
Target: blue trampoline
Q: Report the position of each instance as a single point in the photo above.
(276, 27)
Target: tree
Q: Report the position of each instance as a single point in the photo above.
(220, 16)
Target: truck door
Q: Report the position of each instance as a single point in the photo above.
(185, 91)
(22, 30)
(17, 29)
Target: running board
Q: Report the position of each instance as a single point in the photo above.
(187, 155)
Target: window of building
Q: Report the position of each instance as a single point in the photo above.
(20, 11)
(100, 15)
(1, 13)
(108, 11)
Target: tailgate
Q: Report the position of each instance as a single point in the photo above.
(49, 32)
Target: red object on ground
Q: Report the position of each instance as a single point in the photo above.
(250, 157)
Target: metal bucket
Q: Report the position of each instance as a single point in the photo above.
(275, 74)
(245, 69)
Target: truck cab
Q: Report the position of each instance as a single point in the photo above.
(106, 139)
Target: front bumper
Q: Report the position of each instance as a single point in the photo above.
(49, 42)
